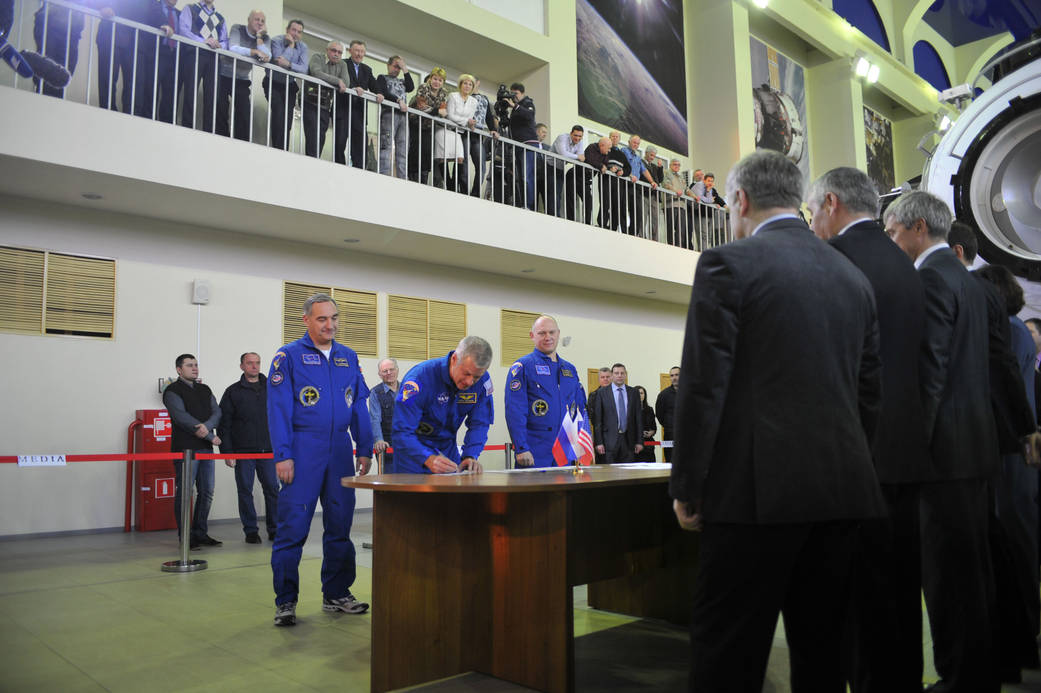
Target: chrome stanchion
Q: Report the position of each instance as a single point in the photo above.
(379, 470)
(509, 455)
(185, 564)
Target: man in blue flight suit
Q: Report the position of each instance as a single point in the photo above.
(315, 392)
(540, 388)
(434, 400)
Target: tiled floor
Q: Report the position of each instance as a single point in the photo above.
(93, 612)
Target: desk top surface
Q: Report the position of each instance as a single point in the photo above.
(514, 481)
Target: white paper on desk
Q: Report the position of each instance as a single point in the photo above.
(644, 465)
(539, 469)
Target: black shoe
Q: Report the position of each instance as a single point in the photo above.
(207, 540)
(193, 545)
(253, 538)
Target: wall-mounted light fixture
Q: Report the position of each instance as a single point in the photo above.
(864, 68)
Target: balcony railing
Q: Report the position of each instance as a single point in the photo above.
(177, 80)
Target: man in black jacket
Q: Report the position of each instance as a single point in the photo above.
(665, 410)
(959, 424)
(886, 610)
(194, 416)
(353, 106)
(244, 430)
(779, 397)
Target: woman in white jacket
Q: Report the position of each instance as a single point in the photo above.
(449, 144)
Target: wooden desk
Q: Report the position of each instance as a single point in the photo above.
(474, 572)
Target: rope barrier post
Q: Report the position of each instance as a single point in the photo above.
(379, 470)
(508, 451)
(185, 564)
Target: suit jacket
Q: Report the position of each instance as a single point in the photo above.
(1013, 417)
(959, 422)
(781, 384)
(364, 78)
(900, 450)
(605, 418)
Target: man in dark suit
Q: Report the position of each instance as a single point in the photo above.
(353, 107)
(956, 572)
(885, 634)
(665, 410)
(779, 397)
(594, 395)
(618, 419)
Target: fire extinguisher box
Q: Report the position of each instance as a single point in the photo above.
(154, 490)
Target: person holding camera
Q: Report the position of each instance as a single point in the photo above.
(522, 129)
(250, 41)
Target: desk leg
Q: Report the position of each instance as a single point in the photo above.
(471, 582)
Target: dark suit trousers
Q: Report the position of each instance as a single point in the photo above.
(884, 632)
(357, 116)
(749, 574)
(958, 583)
(240, 107)
(621, 452)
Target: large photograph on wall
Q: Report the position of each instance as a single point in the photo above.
(779, 100)
(878, 139)
(631, 73)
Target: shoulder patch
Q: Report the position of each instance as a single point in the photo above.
(276, 378)
(515, 385)
(310, 359)
(277, 361)
(409, 388)
(488, 387)
(516, 368)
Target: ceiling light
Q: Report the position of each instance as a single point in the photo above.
(862, 66)
(872, 75)
(761, 4)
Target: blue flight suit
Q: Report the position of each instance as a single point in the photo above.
(311, 402)
(539, 391)
(428, 411)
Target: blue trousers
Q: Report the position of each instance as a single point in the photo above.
(265, 471)
(320, 461)
(201, 475)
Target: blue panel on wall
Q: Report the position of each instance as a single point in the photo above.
(863, 15)
(929, 66)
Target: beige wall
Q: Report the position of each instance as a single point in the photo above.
(75, 395)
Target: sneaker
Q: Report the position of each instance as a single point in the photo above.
(285, 614)
(207, 540)
(348, 605)
(253, 538)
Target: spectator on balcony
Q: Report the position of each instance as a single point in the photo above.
(595, 156)
(612, 193)
(460, 109)
(634, 194)
(318, 101)
(430, 98)
(63, 28)
(250, 41)
(544, 173)
(522, 129)
(166, 103)
(361, 81)
(650, 161)
(288, 52)
(485, 124)
(119, 46)
(569, 146)
(394, 86)
(678, 221)
(202, 23)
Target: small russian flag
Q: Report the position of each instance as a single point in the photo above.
(574, 443)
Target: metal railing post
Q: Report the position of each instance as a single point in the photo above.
(508, 450)
(185, 564)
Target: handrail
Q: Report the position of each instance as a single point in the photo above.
(517, 171)
(1001, 58)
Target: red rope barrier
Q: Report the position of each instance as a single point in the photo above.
(151, 456)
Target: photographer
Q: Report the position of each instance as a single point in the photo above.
(522, 129)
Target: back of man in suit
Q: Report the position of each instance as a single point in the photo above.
(885, 634)
(779, 396)
(959, 424)
(618, 419)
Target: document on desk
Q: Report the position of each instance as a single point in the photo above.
(644, 465)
